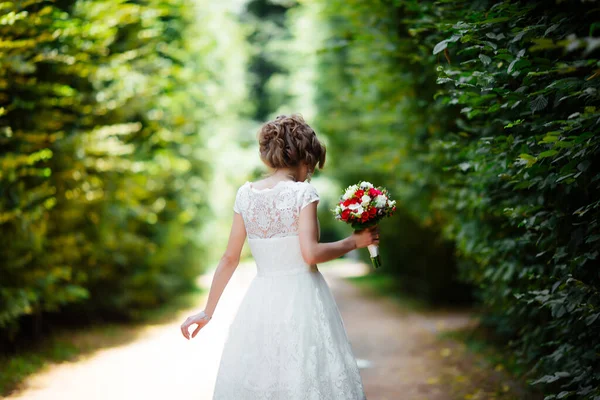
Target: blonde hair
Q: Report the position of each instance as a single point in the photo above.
(288, 141)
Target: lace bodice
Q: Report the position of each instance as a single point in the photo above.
(273, 212)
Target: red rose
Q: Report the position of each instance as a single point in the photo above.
(374, 192)
(345, 214)
(347, 202)
(364, 217)
(373, 211)
(359, 193)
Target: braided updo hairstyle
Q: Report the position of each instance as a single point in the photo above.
(288, 141)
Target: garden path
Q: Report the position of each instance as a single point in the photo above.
(399, 350)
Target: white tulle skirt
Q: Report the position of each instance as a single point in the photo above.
(288, 342)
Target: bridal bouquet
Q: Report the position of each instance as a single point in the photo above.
(363, 206)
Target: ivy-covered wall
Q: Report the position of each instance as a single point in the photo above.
(482, 117)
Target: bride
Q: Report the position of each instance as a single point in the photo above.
(287, 340)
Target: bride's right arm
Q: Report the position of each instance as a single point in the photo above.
(314, 252)
(227, 265)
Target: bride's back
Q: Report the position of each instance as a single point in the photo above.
(271, 217)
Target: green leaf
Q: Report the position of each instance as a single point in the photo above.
(550, 137)
(592, 238)
(543, 44)
(591, 319)
(519, 36)
(528, 157)
(551, 29)
(548, 153)
(513, 124)
(485, 59)
(584, 165)
(562, 178)
(539, 103)
(440, 46)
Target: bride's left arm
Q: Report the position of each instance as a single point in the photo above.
(227, 265)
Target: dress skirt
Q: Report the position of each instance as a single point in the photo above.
(288, 342)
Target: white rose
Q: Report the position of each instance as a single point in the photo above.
(349, 192)
(354, 206)
(365, 200)
(359, 211)
(366, 185)
(380, 201)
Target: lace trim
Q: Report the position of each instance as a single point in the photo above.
(273, 212)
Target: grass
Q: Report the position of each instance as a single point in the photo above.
(481, 341)
(71, 344)
(495, 365)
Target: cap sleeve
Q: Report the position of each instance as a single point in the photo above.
(308, 196)
(236, 203)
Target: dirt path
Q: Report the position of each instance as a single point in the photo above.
(400, 354)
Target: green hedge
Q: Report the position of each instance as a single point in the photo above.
(482, 117)
(101, 104)
(378, 131)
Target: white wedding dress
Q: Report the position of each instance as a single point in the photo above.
(287, 340)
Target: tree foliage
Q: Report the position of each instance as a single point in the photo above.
(101, 105)
(482, 119)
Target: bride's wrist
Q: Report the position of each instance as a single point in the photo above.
(204, 314)
(352, 242)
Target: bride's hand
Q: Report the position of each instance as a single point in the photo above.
(200, 319)
(366, 237)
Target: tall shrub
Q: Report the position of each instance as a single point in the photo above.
(100, 112)
(374, 103)
(501, 155)
(524, 75)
